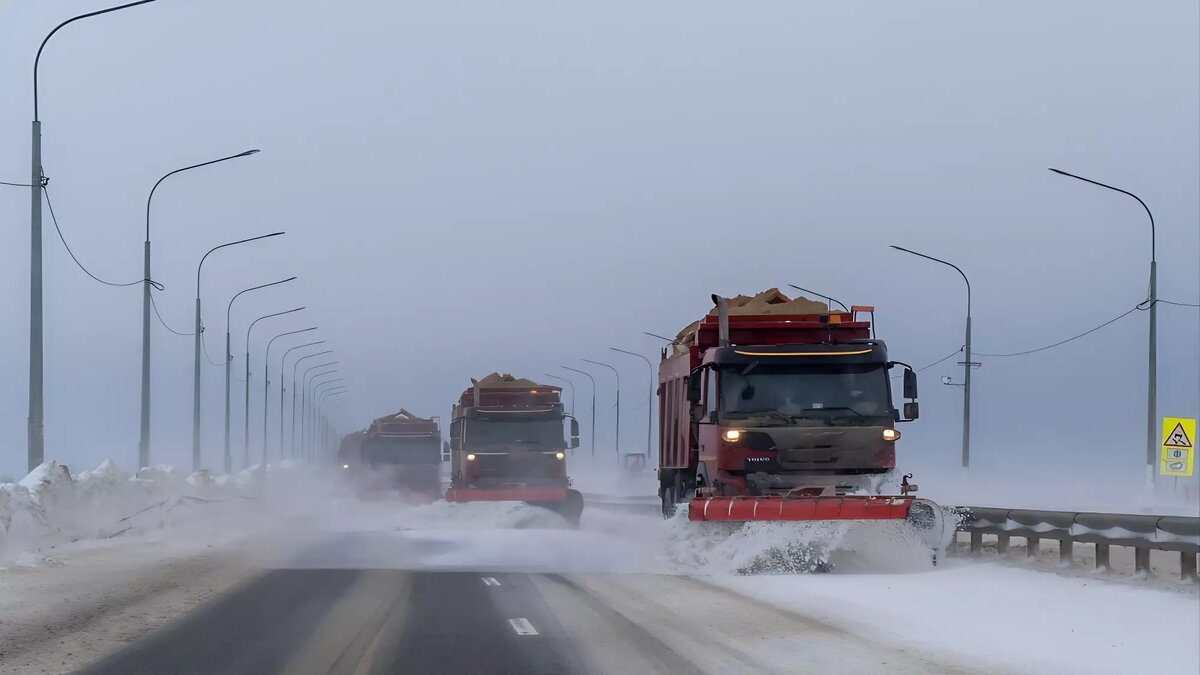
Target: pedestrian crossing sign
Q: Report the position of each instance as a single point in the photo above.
(1178, 446)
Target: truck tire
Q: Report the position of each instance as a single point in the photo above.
(572, 508)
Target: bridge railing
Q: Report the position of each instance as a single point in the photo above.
(1142, 533)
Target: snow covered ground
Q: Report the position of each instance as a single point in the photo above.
(94, 559)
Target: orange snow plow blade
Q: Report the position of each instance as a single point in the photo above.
(509, 494)
(799, 508)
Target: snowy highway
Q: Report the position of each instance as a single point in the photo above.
(333, 584)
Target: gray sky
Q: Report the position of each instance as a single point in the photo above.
(471, 187)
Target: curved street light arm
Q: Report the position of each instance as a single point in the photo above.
(268, 316)
(232, 243)
(956, 267)
(229, 308)
(246, 153)
(1153, 243)
(819, 295)
(37, 59)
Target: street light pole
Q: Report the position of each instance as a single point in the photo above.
(1152, 374)
(229, 363)
(35, 431)
(282, 367)
(295, 367)
(196, 356)
(246, 416)
(321, 442)
(967, 363)
(267, 386)
(569, 384)
(649, 398)
(593, 381)
(618, 375)
(314, 404)
(144, 443)
(304, 382)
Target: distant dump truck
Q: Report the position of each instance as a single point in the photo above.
(506, 442)
(396, 452)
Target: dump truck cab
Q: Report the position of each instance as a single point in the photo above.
(507, 444)
(774, 418)
(397, 452)
(778, 404)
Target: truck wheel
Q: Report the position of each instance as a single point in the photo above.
(666, 492)
(572, 508)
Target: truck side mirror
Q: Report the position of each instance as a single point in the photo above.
(912, 410)
(910, 385)
(693, 385)
(574, 427)
(574, 442)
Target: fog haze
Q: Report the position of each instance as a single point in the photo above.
(470, 187)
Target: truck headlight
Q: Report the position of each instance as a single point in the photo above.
(732, 435)
(470, 457)
(345, 466)
(560, 455)
(890, 434)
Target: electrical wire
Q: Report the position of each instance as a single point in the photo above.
(63, 239)
(4, 182)
(941, 360)
(160, 319)
(1168, 302)
(204, 346)
(1063, 342)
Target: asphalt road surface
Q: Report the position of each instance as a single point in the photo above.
(353, 617)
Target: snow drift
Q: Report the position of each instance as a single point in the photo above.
(51, 507)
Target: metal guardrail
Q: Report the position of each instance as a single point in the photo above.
(1142, 533)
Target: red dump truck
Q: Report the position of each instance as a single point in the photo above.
(399, 452)
(506, 444)
(779, 409)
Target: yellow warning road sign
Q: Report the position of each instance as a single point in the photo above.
(1178, 447)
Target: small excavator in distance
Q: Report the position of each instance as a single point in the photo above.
(781, 410)
(506, 444)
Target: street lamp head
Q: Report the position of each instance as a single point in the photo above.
(1059, 172)
(900, 248)
(247, 153)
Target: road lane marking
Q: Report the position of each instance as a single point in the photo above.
(490, 581)
(522, 627)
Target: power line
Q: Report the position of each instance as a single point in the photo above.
(67, 246)
(1168, 302)
(4, 182)
(1063, 342)
(941, 360)
(204, 346)
(160, 319)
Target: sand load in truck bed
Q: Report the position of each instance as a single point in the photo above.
(402, 416)
(504, 381)
(770, 301)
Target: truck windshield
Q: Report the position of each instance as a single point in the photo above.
(804, 390)
(402, 450)
(515, 431)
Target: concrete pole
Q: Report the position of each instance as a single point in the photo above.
(617, 374)
(196, 392)
(966, 423)
(35, 433)
(1152, 379)
(144, 439)
(650, 396)
(228, 363)
(593, 381)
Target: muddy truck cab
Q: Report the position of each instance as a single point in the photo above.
(506, 444)
(780, 409)
(399, 452)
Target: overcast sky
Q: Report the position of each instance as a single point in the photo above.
(478, 186)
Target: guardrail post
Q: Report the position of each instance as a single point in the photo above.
(1002, 544)
(976, 542)
(1141, 560)
(1032, 545)
(1066, 552)
(1102, 557)
(1187, 565)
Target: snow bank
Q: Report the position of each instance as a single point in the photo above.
(1000, 618)
(51, 507)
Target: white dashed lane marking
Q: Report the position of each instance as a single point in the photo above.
(522, 627)
(490, 581)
